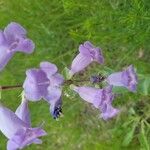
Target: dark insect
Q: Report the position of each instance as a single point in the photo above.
(97, 78)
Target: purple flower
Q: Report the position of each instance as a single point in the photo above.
(16, 127)
(87, 54)
(45, 83)
(12, 40)
(100, 98)
(126, 78)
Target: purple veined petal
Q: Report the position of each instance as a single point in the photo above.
(88, 45)
(108, 112)
(132, 78)
(37, 141)
(108, 89)
(105, 97)
(54, 93)
(84, 51)
(48, 68)
(31, 136)
(89, 94)
(23, 112)
(132, 87)
(36, 84)
(96, 52)
(79, 63)
(11, 145)
(9, 122)
(24, 45)
(14, 30)
(5, 56)
(56, 79)
(26, 137)
(125, 78)
(115, 79)
(133, 74)
(98, 55)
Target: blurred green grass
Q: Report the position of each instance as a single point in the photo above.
(120, 27)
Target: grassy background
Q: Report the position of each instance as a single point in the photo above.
(122, 29)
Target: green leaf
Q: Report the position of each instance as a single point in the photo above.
(144, 85)
(129, 136)
(143, 138)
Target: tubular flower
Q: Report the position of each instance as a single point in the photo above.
(87, 54)
(126, 78)
(12, 40)
(100, 98)
(45, 83)
(17, 129)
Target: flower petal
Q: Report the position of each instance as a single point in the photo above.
(23, 112)
(36, 84)
(109, 112)
(24, 45)
(14, 30)
(88, 94)
(84, 51)
(11, 145)
(79, 63)
(115, 79)
(31, 135)
(54, 93)
(48, 68)
(9, 122)
(5, 56)
(56, 79)
(26, 137)
(98, 55)
(88, 45)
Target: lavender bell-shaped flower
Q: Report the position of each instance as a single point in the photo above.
(126, 78)
(100, 98)
(45, 83)
(13, 39)
(87, 54)
(18, 131)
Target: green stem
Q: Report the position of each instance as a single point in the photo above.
(10, 87)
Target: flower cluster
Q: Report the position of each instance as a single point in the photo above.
(47, 84)
(101, 98)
